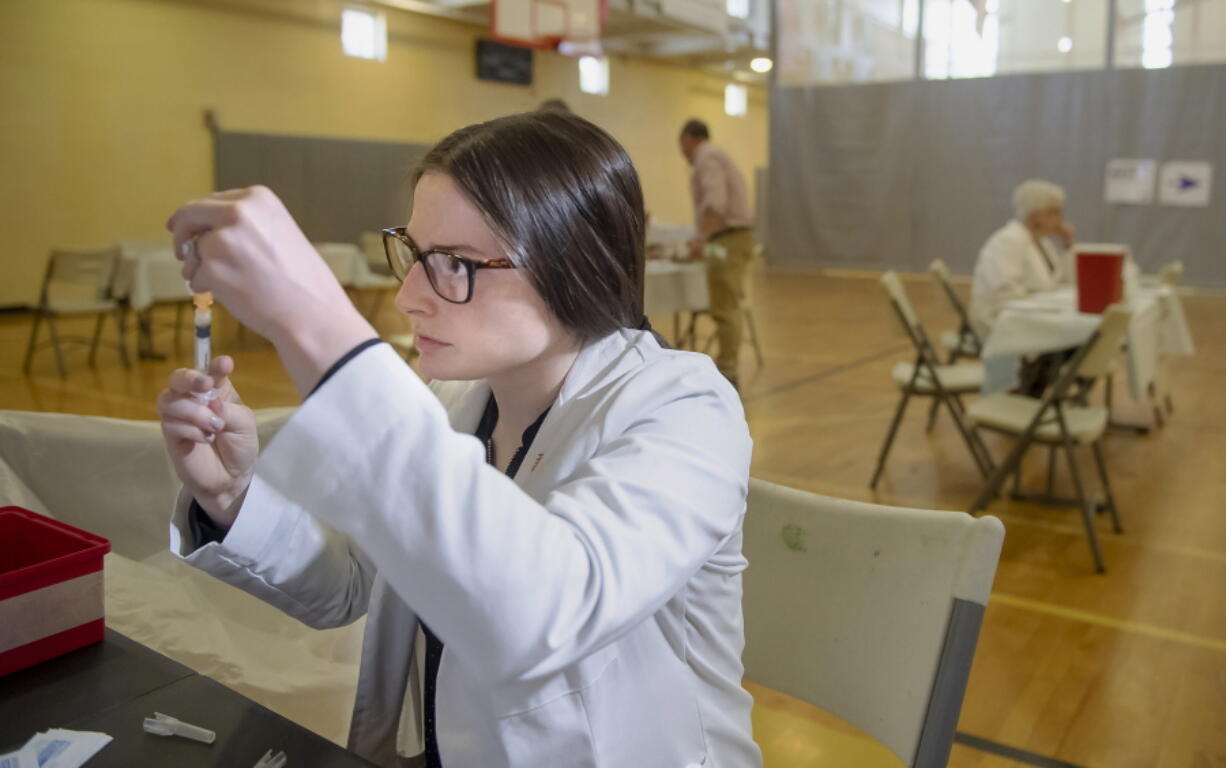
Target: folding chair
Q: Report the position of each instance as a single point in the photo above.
(926, 377)
(1171, 273)
(77, 283)
(965, 341)
(869, 612)
(376, 258)
(405, 344)
(351, 266)
(1055, 421)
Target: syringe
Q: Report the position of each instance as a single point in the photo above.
(204, 330)
(204, 344)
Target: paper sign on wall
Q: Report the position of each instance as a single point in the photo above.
(1130, 182)
(1186, 183)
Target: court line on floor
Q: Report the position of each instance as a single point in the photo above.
(1098, 619)
(788, 386)
(1012, 753)
(1077, 531)
(49, 388)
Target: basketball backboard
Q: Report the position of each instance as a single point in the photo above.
(547, 23)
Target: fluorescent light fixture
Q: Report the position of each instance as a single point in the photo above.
(1065, 44)
(594, 75)
(364, 34)
(736, 99)
(761, 65)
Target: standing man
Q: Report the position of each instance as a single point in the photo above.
(721, 217)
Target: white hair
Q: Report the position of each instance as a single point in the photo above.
(1035, 195)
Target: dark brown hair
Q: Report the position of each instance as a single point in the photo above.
(565, 199)
(696, 128)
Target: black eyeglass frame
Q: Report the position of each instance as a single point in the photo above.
(470, 265)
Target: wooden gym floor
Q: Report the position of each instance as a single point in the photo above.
(1073, 668)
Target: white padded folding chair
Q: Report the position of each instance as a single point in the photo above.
(1056, 422)
(964, 342)
(926, 377)
(372, 248)
(405, 344)
(869, 612)
(1159, 392)
(352, 269)
(1170, 275)
(77, 283)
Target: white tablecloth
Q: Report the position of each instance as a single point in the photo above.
(670, 288)
(149, 273)
(112, 477)
(348, 263)
(1049, 322)
(668, 234)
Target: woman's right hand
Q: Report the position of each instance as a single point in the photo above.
(212, 443)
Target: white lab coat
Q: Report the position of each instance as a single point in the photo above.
(590, 609)
(1011, 266)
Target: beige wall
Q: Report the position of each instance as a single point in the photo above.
(101, 133)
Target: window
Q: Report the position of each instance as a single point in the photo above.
(594, 75)
(846, 41)
(962, 39)
(736, 99)
(364, 34)
(738, 9)
(1155, 34)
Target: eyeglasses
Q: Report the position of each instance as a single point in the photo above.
(450, 276)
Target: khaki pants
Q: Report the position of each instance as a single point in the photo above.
(726, 283)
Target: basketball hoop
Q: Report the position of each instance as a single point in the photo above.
(571, 27)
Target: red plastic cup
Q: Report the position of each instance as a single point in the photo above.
(1100, 276)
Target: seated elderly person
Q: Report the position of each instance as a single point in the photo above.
(1015, 261)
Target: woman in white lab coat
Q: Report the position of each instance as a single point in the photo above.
(564, 590)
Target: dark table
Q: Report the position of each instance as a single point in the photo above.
(113, 685)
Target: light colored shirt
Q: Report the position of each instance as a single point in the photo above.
(717, 185)
(1012, 265)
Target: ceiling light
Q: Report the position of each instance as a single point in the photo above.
(761, 65)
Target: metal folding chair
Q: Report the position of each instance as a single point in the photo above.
(869, 612)
(926, 377)
(77, 283)
(1057, 421)
(965, 341)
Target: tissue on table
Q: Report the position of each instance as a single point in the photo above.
(56, 748)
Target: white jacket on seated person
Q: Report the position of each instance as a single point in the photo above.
(1012, 265)
(590, 608)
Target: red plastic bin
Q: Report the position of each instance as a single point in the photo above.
(50, 588)
(1100, 276)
